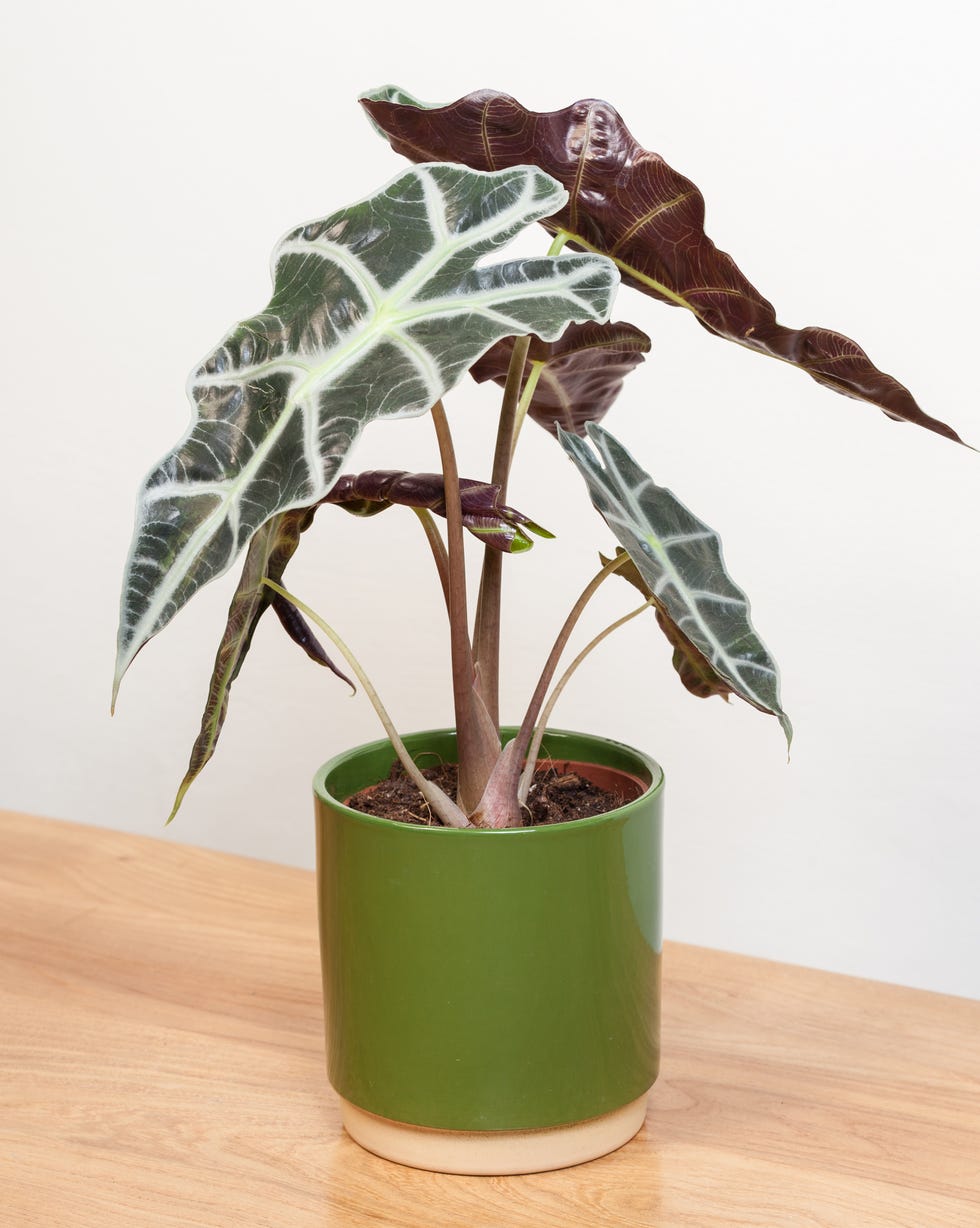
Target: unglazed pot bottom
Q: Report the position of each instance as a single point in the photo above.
(494, 1153)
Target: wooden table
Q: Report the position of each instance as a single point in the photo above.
(161, 1064)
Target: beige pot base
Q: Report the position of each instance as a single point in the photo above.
(491, 1153)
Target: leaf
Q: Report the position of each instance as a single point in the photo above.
(274, 545)
(581, 373)
(269, 551)
(495, 524)
(680, 560)
(299, 631)
(693, 667)
(629, 204)
(377, 311)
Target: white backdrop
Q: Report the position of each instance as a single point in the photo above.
(153, 158)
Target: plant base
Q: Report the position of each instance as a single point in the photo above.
(493, 1153)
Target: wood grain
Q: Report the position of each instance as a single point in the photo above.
(161, 1065)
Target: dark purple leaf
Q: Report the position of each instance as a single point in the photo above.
(581, 375)
(504, 528)
(299, 631)
(627, 203)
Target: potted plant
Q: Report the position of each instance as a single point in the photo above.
(531, 1041)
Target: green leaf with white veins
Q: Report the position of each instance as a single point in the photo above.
(377, 311)
(680, 559)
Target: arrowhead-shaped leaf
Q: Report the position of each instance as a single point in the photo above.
(580, 376)
(377, 311)
(680, 560)
(628, 203)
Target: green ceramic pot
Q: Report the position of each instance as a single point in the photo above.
(490, 980)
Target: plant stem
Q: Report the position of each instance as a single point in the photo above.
(532, 755)
(523, 737)
(508, 414)
(486, 632)
(526, 397)
(441, 805)
(558, 242)
(513, 410)
(476, 733)
(438, 548)
(499, 806)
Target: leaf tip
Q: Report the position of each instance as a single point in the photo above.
(787, 727)
(117, 680)
(189, 777)
(125, 655)
(539, 531)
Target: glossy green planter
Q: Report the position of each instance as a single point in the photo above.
(490, 980)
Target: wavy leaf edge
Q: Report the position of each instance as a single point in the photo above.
(629, 203)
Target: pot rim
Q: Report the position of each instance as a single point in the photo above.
(552, 830)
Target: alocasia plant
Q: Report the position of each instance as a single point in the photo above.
(378, 310)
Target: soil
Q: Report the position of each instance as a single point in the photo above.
(556, 796)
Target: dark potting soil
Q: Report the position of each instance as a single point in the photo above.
(553, 797)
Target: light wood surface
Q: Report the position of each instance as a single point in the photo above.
(161, 1064)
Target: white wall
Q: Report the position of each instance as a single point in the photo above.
(153, 158)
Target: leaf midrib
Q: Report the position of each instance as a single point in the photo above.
(380, 324)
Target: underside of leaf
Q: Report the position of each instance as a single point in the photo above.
(268, 553)
(627, 203)
(581, 374)
(693, 668)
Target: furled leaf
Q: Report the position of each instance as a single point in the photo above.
(504, 528)
(580, 374)
(628, 203)
(377, 311)
(681, 562)
(693, 667)
(268, 553)
(300, 632)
